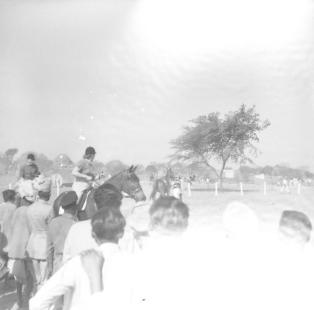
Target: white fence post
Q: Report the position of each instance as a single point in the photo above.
(299, 188)
(189, 189)
(216, 189)
(264, 188)
(241, 189)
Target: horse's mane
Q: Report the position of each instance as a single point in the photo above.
(109, 188)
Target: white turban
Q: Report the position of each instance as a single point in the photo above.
(240, 220)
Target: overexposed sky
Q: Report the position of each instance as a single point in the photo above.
(126, 75)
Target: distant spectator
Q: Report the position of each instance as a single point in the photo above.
(30, 170)
(39, 214)
(18, 261)
(6, 213)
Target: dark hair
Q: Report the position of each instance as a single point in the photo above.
(44, 195)
(108, 224)
(9, 195)
(31, 156)
(169, 213)
(89, 151)
(298, 223)
(107, 196)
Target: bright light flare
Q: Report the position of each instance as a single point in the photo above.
(184, 26)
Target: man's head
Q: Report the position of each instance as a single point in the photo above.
(68, 201)
(44, 189)
(295, 226)
(107, 196)
(30, 158)
(90, 153)
(108, 225)
(169, 215)
(240, 221)
(9, 195)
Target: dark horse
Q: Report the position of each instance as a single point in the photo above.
(124, 182)
(162, 185)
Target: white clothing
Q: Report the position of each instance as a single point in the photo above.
(72, 280)
(79, 187)
(80, 238)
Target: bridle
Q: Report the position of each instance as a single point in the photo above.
(132, 194)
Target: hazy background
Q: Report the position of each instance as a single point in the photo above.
(126, 75)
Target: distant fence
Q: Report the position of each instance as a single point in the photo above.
(242, 188)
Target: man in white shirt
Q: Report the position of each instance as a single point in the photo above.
(107, 228)
(157, 276)
(79, 237)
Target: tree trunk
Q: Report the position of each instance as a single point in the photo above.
(221, 174)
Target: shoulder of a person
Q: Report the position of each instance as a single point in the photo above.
(54, 222)
(22, 209)
(78, 226)
(20, 213)
(73, 262)
(4, 205)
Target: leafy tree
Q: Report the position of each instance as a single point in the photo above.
(151, 170)
(213, 139)
(10, 153)
(62, 161)
(7, 159)
(268, 170)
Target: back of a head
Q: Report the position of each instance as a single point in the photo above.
(107, 196)
(296, 226)
(169, 214)
(239, 220)
(44, 188)
(8, 195)
(68, 200)
(108, 225)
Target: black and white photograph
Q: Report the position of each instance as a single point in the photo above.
(156, 154)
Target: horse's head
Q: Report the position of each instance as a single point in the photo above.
(130, 184)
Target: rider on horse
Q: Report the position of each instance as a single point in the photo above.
(30, 170)
(84, 171)
(25, 186)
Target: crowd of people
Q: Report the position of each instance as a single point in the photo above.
(59, 262)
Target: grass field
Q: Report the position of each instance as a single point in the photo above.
(206, 209)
